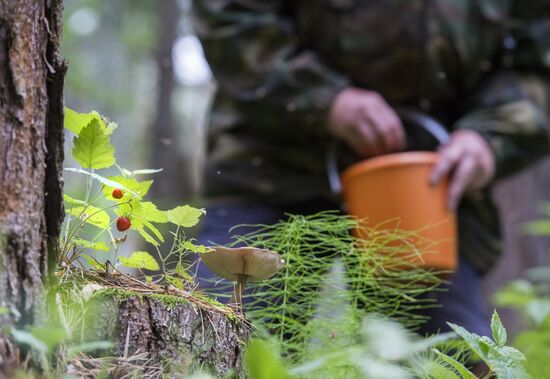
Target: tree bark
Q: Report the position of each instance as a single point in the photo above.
(179, 337)
(31, 153)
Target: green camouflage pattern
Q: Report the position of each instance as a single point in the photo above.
(476, 64)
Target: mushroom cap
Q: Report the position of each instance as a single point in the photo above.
(229, 263)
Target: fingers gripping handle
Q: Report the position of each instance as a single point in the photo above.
(408, 116)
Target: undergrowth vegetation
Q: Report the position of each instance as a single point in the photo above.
(341, 307)
(378, 277)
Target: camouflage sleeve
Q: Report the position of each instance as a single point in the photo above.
(511, 122)
(260, 63)
(511, 109)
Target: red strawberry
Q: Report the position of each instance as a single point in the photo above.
(117, 193)
(123, 223)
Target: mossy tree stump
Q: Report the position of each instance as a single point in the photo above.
(177, 334)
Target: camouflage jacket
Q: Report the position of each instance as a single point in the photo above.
(476, 64)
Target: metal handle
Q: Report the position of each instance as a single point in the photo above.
(409, 117)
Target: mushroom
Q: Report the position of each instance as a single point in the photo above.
(242, 264)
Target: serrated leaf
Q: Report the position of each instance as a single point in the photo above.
(185, 216)
(151, 213)
(107, 182)
(111, 127)
(201, 249)
(459, 367)
(512, 354)
(92, 148)
(499, 333)
(75, 121)
(471, 339)
(140, 260)
(91, 245)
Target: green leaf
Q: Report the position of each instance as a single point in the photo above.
(92, 148)
(111, 127)
(176, 282)
(436, 370)
(262, 363)
(154, 230)
(499, 333)
(140, 260)
(539, 228)
(91, 245)
(539, 310)
(512, 354)
(75, 121)
(131, 185)
(92, 262)
(183, 273)
(201, 249)
(27, 338)
(459, 367)
(146, 171)
(90, 215)
(517, 294)
(71, 200)
(50, 336)
(4, 311)
(146, 236)
(185, 216)
(107, 182)
(151, 213)
(498, 360)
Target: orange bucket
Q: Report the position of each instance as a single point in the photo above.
(393, 192)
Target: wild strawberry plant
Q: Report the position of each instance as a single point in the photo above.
(115, 206)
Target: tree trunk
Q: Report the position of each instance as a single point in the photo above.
(31, 153)
(519, 200)
(170, 184)
(178, 337)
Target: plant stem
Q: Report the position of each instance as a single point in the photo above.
(238, 291)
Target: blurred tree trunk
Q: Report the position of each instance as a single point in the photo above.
(519, 200)
(170, 184)
(31, 155)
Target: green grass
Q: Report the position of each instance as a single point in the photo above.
(379, 279)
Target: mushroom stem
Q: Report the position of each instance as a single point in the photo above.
(239, 289)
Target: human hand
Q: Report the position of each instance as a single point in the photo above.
(366, 123)
(468, 159)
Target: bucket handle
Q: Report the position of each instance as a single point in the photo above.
(409, 116)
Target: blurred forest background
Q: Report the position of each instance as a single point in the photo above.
(139, 62)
